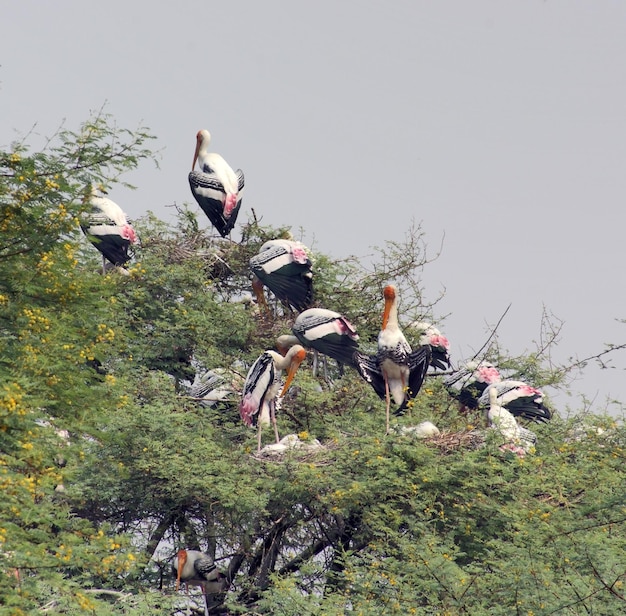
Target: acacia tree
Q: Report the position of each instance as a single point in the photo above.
(53, 323)
(367, 523)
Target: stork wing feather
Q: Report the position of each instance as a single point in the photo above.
(259, 380)
(440, 358)
(209, 192)
(112, 245)
(520, 399)
(296, 291)
(204, 567)
(336, 346)
(419, 360)
(367, 366)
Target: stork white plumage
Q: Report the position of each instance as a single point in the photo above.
(504, 422)
(285, 268)
(519, 399)
(107, 227)
(219, 385)
(262, 386)
(468, 383)
(216, 187)
(325, 331)
(396, 371)
(195, 568)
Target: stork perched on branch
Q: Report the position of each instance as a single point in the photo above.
(396, 371)
(284, 267)
(324, 331)
(262, 386)
(216, 187)
(195, 568)
(107, 227)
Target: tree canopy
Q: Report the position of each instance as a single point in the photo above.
(109, 465)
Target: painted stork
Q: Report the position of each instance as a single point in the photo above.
(519, 399)
(469, 382)
(107, 227)
(284, 267)
(504, 422)
(216, 187)
(439, 344)
(396, 371)
(324, 331)
(216, 386)
(195, 568)
(260, 391)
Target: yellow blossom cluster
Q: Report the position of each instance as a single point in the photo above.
(87, 353)
(64, 553)
(70, 251)
(46, 262)
(11, 402)
(37, 322)
(59, 214)
(51, 184)
(84, 602)
(106, 334)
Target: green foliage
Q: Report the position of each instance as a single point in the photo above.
(108, 465)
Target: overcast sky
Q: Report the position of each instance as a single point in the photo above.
(501, 125)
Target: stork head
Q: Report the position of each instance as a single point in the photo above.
(95, 189)
(203, 138)
(295, 355)
(284, 342)
(182, 559)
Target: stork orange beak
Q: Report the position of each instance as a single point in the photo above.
(298, 358)
(257, 287)
(182, 559)
(388, 302)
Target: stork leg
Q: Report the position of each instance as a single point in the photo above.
(205, 601)
(258, 438)
(325, 364)
(273, 416)
(388, 400)
(315, 361)
(104, 265)
(257, 287)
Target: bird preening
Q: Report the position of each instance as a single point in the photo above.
(284, 267)
(468, 383)
(108, 228)
(216, 187)
(325, 331)
(262, 388)
(195, 568)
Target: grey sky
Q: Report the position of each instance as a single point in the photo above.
(500, 124)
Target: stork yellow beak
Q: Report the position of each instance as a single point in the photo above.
(297, 359)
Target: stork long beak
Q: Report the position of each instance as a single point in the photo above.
(297, 359)
(182, 559)
(195, 154)
(389, 293)
(257, 287)
(388, 303)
